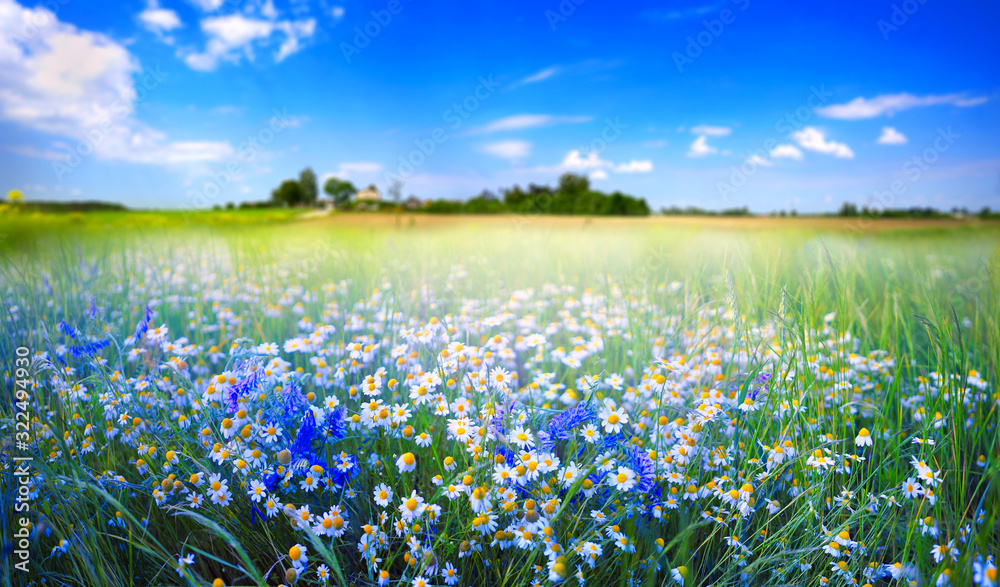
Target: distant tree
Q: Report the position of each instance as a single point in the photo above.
(230, 206)
(289, 193)
(310, 190)
(848, 210)
(395, 191)
(340, 190)
(573, 185)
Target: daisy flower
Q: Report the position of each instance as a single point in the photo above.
(613, 419)
(624, 480)
(406, 462)
(383, 495)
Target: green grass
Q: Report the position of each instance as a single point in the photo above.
(927, 297)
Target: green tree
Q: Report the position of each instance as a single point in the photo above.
(340, 190)
(289, 193)
(310, 189)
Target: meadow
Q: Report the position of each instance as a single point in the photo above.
(257, 398)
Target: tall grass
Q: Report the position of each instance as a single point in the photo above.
(928, 298)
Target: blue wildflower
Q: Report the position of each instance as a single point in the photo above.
(349, 464)
(335, 424)
(302, 447)
(610, 442)
(243, 387)
(67, 329)
(88, 348)
(639, 461)
(760, 383)
(560, 426)
(141, 327)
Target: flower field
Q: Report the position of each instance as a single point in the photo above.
(515, 402)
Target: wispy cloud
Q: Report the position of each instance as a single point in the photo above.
(661, 15)
(232, 37)
(786, 152)
(889, 104)
(712, 131)
(813, 139)
(540, 76)
(508, 149)
(524, 121)
(635, 166)
(353, 168)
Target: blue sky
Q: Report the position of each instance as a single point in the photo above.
(189, 103)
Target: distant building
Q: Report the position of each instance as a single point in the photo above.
(413, 203)
(369, 194)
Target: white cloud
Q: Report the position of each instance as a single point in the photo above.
(891, 136)
(268, 10)
(712, 131)
(81, 85)
(522, 121)
(813, 139)
(889, 104)
(700, 147)
(159, 20)
(758, 160)
(634, 166)
(786, 152)
(574, 162)
(227, 109)
(541, 75)
(594, 165)
(232, 37)
(508, 149)
(207, 5)
(349, 169)
(337, 12)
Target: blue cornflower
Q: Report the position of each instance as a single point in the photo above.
(610, 442)
(560, 425)
(639, 461)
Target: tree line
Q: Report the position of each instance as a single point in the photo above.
(571, 196)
